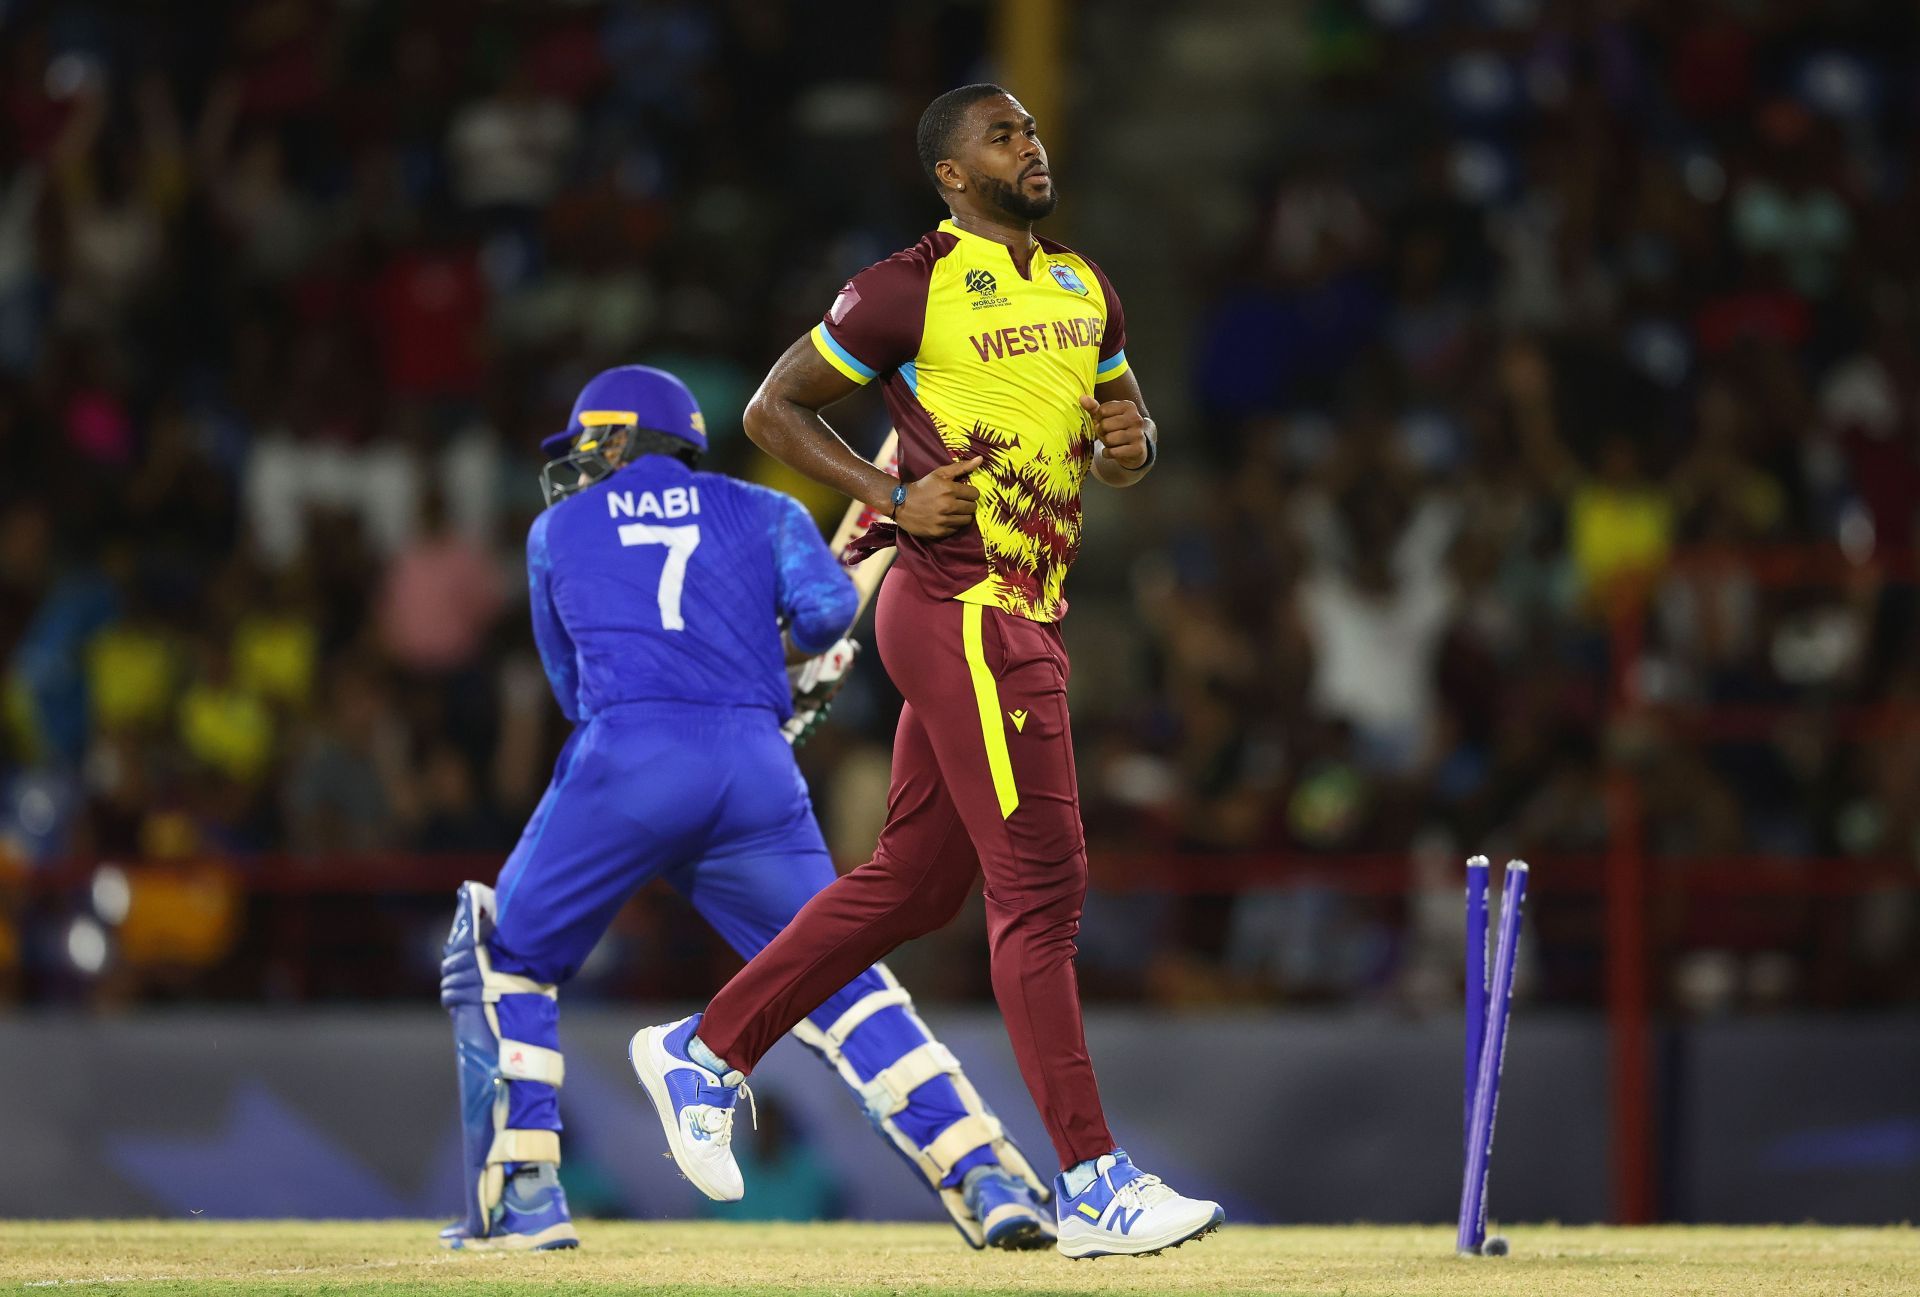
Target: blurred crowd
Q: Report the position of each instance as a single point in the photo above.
(1567, 371)
(1570, 362)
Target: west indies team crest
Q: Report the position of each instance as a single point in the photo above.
(1065, 277)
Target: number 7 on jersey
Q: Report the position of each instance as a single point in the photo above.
(680, 542)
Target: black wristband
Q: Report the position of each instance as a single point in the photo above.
(1152, 452)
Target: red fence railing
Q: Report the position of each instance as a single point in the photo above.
(1629, 883)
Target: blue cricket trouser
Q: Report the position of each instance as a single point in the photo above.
(710, 799)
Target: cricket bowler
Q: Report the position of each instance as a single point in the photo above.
(1002, 358)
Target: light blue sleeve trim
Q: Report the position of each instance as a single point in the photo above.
(1111, 365)
(852, 362)
(912, 375)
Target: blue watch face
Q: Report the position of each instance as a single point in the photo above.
(900, 495)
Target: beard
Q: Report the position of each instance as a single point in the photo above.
(1014, 201)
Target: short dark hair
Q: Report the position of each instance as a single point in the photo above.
(934, 138)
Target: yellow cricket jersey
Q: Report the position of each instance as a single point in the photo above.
(981, 356)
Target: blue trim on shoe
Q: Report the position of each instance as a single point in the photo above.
(532, 1217)
(675, 1041)
(1091, 1207)
(1010, 1213)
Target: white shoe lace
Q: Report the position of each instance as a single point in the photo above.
(1144, 1191)
(718, 1122)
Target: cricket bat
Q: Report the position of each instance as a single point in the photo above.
(866, 576)
(866, 580)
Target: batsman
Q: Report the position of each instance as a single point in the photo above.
(667, 606)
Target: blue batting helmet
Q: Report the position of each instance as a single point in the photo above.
(633, 396)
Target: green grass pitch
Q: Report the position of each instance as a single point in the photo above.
(672, 1260)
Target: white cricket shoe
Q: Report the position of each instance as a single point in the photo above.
(696, 1106)
(1126, 1212)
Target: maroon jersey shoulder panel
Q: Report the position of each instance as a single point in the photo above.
(881, 313)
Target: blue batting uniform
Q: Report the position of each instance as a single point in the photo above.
(659, 594)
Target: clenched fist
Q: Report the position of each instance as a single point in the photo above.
(1120, 429)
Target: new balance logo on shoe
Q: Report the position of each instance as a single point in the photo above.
(1137, 1214)
(1019, 720)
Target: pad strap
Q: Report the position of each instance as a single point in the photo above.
(960, 1139)
(524, 1146)
(863, 1008)
(891, 1089)
(498, 984)
(520, 1061)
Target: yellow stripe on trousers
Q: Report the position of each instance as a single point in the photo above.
(986, 692)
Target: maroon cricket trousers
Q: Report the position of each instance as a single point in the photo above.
(983, 781)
